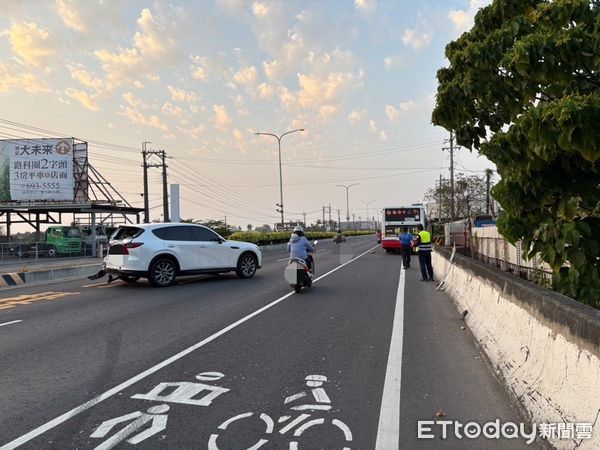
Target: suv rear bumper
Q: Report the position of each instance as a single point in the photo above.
(111, 271)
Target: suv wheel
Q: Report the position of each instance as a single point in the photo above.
(246, 266)
(162, 272)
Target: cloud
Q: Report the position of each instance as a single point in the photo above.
(221, 119)
(247, 77)
(265, 91)
(193, 133)
(18, 79)
(316, 91)
(85, 78)
(395, 114)
(240, 140)
(135, 116)
(417, 39)
(32, 45)
(365, 6)
(172, 110)
(87, 100)
(357, 116)
(91, 18)
(374, 129)
(240, 104)
(71, 16)
(260, 9)
(181, 95)
(151, 40)
(153, 47)
(132, 100)
(463, 19)
(233, 7)
(328, 112)
(394, 62)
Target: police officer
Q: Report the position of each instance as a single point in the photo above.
(423, 242)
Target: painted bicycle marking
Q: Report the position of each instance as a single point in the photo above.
(298, 423)
(143, 425)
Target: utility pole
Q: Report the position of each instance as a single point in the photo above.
(330, 214)
(488, 175)
(304, 214)
(451, 148)
(323, 217)
(440, 200)
(339, 222)
(145, 194)
(163, 156)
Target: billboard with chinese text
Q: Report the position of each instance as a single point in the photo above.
(34, 170)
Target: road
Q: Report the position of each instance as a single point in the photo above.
(221, 362)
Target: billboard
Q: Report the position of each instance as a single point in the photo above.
(34, 170)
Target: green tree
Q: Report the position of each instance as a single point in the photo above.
(522, 88)
(469, 196)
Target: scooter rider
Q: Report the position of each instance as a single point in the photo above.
(339, 237)
(299, 247)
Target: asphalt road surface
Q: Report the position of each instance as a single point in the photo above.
(224, 363)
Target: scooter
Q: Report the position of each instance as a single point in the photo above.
(339, 238)
(298, 274)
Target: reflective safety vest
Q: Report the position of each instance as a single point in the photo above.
(425, 241)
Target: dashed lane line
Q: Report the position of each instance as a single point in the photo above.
(10, 323)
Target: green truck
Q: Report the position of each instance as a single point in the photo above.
(59, 240)
(64, 241)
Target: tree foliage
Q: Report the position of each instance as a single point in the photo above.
(523, 89)
(469, 196)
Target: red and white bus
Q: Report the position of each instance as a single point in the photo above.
(393, 221)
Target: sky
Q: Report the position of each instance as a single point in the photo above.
(198, 79)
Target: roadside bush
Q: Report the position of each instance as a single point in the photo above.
(280, 237)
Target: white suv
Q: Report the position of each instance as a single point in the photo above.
(162, 251)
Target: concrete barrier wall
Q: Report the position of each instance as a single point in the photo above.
(543, 345)
(61, 273)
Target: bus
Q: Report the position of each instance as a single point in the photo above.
(393, 221)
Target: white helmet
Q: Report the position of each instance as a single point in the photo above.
(298, 228)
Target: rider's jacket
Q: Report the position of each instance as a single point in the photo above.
(299, 246)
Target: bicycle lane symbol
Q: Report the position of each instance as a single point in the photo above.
(144, 425)
(288, 422)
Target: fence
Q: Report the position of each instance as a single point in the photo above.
(17, 252)
(488, 245)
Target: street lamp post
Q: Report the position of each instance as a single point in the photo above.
(280, 204)
(368, 203)
(347, 187)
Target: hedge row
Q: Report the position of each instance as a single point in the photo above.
(278, 237)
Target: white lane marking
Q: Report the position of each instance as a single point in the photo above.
(282, 259)
(388, 431)
(10, 323)
(100, 398)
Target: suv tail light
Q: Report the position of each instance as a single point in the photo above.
(123, 249)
